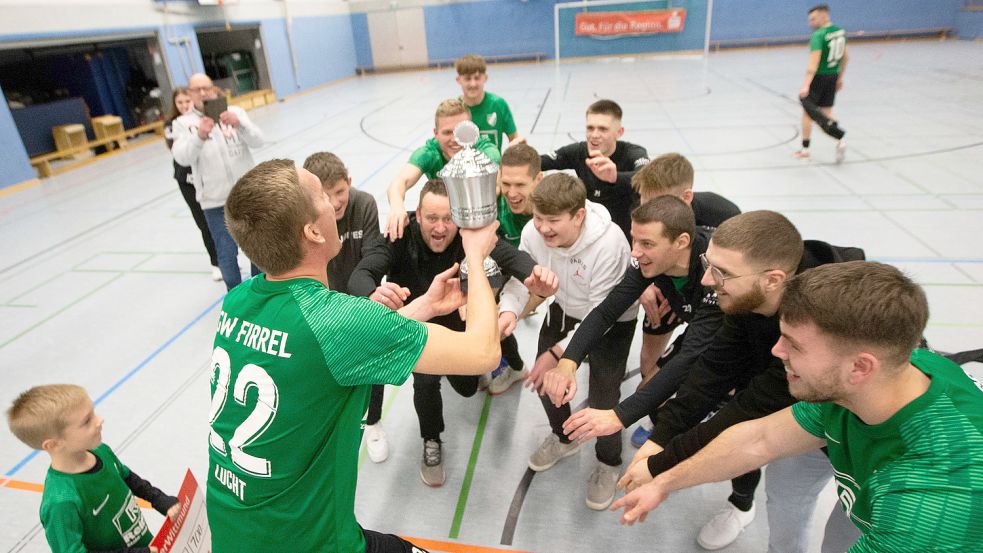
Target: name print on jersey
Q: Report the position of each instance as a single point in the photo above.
(259, 338)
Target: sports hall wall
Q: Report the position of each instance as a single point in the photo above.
(330, 38)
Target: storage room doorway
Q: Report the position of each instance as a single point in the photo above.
(235, 59)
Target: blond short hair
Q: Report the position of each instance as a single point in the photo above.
(668, 174)
(41, 413)
(448, 108)
(469, 64)
(523, 155)
(266, 213)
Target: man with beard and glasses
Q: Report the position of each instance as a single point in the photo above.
(903, 426)
(747, 262)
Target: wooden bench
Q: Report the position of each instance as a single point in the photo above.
(43, 162)
(254, 99)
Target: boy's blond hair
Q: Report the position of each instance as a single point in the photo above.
(470, 64)
(41, 413)
(448, 108)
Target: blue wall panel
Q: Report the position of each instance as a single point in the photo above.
(736, 20)
(969, 24)
(178, 64)
(489, 28)
(274, 33)
(360, 35)
(15, 166)
(325, 49)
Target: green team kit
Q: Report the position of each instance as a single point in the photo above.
(510, 224)
(493, 118)
(915, 483)
(292, 367)
(429, 158)
(831, 41)
(92, 511)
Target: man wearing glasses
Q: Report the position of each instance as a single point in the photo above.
(218, 154)
(747, 262)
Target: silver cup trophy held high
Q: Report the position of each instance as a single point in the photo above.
(470, 177)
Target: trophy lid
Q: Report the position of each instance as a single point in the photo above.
(468, 162)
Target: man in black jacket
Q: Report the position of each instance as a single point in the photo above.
(747, 262)
(429, 246)
(666, 253)
(603, 162)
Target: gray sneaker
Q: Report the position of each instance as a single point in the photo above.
(551, 451)
(432, 466)
(601, 486)
(505, 379)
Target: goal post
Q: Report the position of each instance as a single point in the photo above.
(630, 27)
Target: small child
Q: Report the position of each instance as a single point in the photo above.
(88, 502)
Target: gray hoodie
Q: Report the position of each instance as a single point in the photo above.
(587, 270)
(216, 163)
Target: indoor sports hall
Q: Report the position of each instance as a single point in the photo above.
(105, 282)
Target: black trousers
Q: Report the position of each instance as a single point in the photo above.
(607, 368)
(510, 351)
(188, 193)
(376, 542)
(375, 404)
(429, 404)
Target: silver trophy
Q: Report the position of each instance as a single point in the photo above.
(470, 177)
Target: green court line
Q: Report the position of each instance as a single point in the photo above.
(363, 452)
(66, 307)
(462, 499)
(35, 287)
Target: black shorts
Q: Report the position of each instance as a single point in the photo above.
(376, 542)
(822, 91)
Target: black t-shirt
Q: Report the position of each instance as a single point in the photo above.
(358, 230)
(618, 197)
(712, 209)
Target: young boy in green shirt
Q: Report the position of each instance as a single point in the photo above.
(489, 111)
(88, 502)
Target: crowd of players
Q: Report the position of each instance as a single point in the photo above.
(759, 347)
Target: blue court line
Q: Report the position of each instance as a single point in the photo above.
(126, 377)
(383, 165)
(925, 260)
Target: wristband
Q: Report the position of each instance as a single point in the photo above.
(555, 356)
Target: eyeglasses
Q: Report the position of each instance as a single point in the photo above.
(201, 89)
(718, 277)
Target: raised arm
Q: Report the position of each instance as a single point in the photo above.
(476, 350)
(397, 220)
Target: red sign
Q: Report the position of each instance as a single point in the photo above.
(188, 532)
(630, 23)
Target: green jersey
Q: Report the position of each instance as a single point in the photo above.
(510, 224)
(494, 119)
(831, 41)
(429, 158)
(915, 481)
(92, 511)
(291, 372)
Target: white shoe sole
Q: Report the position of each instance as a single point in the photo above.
(600, 506)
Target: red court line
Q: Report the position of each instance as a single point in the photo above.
(34, 487)
(455, 547)
(433, 545)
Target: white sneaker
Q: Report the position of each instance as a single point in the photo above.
(840, 151)
(505, 379)
(551, 451)
(216, 274)
(724, 527)
(601, 486)
(376, 443)
(484, 381)
(801, 154)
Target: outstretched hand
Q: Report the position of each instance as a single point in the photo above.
(444, 294)
(542, 282)
(638, 503)
(591, 423)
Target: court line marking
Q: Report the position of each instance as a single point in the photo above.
(462, 498)
(20, 464)
(540, 112)
(434, 545)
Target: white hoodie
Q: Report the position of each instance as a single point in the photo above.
(587, 271)
(216, 163)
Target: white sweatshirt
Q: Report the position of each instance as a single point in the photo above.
(587, 270)
(216, 163)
